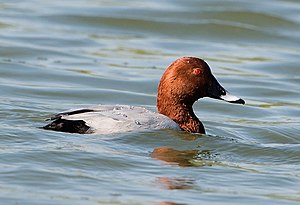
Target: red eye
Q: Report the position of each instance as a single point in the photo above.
(197, 71)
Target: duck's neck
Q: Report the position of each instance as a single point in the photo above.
(181, 113)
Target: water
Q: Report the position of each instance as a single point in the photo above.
(55, 55)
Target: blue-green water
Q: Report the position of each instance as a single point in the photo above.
(56, 55)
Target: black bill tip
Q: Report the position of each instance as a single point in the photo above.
(239, 101)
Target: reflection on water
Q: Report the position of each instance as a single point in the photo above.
(169, 203)
(184, 158)
(181, 158)
(175, 183)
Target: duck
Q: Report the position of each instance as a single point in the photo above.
(184, 82)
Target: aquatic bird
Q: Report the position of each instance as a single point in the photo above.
(184, 82)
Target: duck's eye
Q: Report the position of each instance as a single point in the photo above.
(197, 71)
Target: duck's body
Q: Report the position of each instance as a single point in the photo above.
(185, 81)
(109, 119)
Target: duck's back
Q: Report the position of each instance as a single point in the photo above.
(109, 119)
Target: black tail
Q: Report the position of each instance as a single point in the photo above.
(71, 126)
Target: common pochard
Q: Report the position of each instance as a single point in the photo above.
(185, 81)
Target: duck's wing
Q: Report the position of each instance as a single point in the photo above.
(68, 113)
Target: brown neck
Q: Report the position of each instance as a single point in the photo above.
(179, 112)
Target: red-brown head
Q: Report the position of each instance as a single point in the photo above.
(184, 82)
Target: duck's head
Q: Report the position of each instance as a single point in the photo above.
(185, 81)
(189, 78)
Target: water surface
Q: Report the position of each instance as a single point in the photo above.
(56, 55)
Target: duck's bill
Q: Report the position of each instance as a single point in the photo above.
(231, 98)
(216, 91)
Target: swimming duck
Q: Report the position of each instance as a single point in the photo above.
(185, 81)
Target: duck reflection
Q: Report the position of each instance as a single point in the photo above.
(183, 158)
(169, 203)
(175, 183)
